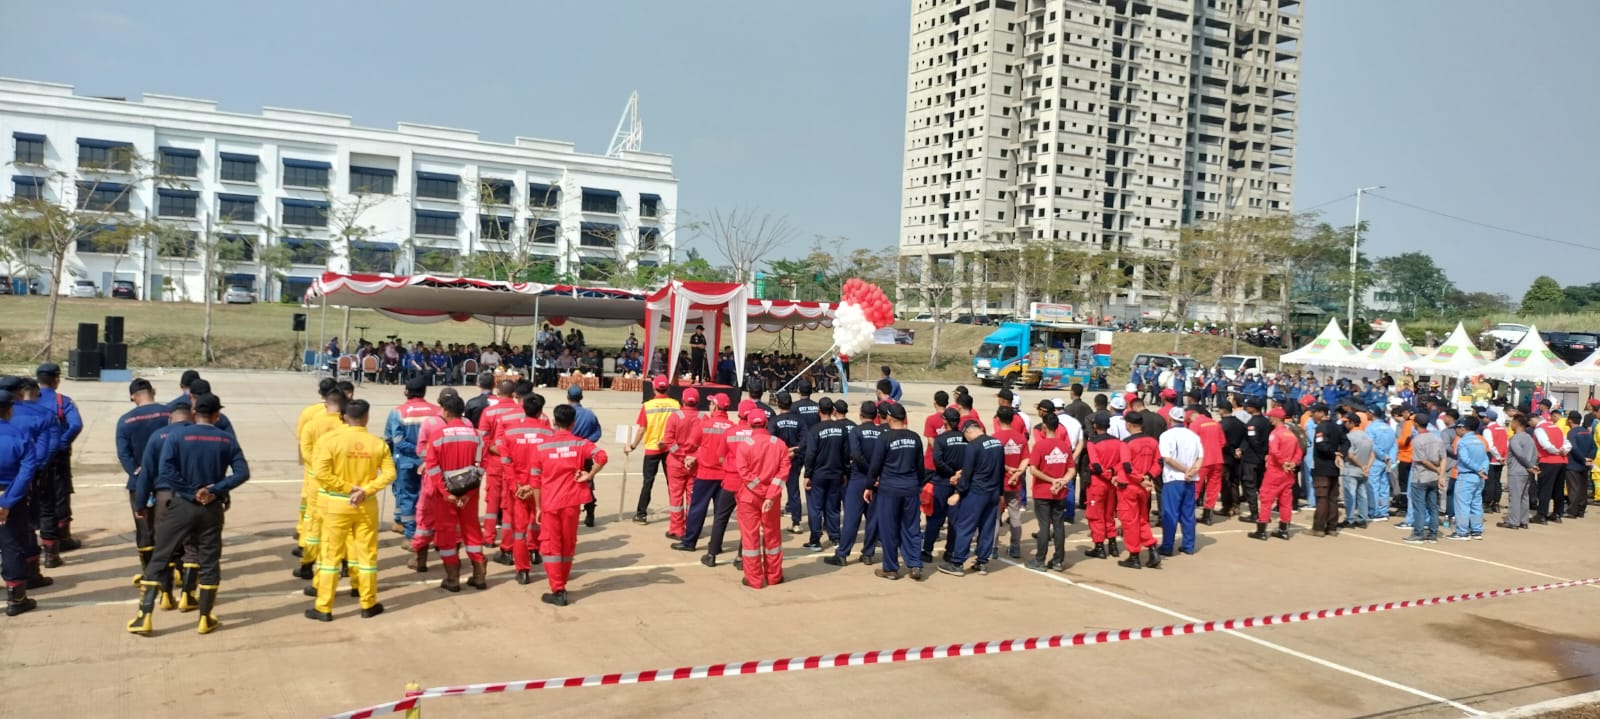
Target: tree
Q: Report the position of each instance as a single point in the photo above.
(1478, 304)
(1543, 296)
(1419, 285)
(1228, 254)
(1184, 278)
(67, 210)
(744, 238)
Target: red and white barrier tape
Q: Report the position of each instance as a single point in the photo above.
(943, 651)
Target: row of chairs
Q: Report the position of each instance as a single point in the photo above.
(370, 369)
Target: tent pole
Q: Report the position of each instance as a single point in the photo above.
(322, 334)
(803, 370)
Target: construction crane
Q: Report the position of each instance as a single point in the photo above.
(629, 136)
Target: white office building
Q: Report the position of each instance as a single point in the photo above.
(343, 198)
(1106, 125)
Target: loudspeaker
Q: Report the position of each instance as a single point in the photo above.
(88, 336)
(113, 330)
(113, 355)
(83, 364)
(299, 321)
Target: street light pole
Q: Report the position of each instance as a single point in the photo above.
(1355, 250)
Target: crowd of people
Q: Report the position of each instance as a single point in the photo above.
(503, 478)
(551, 355)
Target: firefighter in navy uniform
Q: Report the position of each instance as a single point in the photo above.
(55, 511)
(200, 464)
(134, 430)
(949, 452)
(155, 504)
(30, 418)
(787, 426)
(827, 457)
(19, 462)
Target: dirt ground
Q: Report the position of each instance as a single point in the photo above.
(639, 605)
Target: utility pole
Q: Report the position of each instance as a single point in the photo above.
(1355, 250)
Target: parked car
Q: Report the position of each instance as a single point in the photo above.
(124, 290)
(1571, 347)
(972, 319)
(1504, 333)
(239, 295)
(84, 288)
(1236, 365)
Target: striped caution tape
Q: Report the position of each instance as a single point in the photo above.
(942, 651)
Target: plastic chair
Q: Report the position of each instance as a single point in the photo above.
(308, 362)
(469, 372)
(369, 366)
(346, 366)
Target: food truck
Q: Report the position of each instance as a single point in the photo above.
(1043, 354)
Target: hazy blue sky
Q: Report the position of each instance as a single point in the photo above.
(1482, 108)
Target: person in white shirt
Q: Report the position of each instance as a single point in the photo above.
(1181, 457)
(490, 359)
(1119, 426)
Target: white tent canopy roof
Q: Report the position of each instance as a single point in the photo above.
(1392, 351)
(1530, 360)
(1455, 356)
(1329, 349)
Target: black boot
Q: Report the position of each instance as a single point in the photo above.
(144, 622)
(208, 602)
(144, 562)
(452, 577)
(52, 555)
(17, 600)
(305, 572)
(1283, 531)
(504, 558)
(1154, 562)
(187, 601)
(68, 543)
(588, 515)
(1205, 517)
(1099, 551)
(1132, 562)
(479, 578)
(1261, 531)
(1112, 550)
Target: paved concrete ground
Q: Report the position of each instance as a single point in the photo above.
(639, 605)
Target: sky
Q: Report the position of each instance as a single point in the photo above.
(1484, 109)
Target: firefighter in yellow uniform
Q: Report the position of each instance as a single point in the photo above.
(309, 526)
(352, 468)
(312, 411)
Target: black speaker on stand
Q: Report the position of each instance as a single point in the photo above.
(113, 330)
(83, 364)
(88, 337)
(299, 322)
(114, 356)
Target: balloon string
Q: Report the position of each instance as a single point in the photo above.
(803, 370)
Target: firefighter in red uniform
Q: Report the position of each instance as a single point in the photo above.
(1105, 457)
(519, 438)
(560, 484)
(1209, 489)
(762, 464)
(1141, 463)
(1284, 452)
(682, 440)
(455, 453)
(502, 406)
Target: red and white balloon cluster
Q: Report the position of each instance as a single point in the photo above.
(863, 309)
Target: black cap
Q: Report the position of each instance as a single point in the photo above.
(182, 404)
(199, 387)
(896, 410)
(207, 404)
(951, 414)
(5, 398)
(10, 383)
(49, 369)
(140, 385)
(869, 408)
(1006, 395)
(188, 378)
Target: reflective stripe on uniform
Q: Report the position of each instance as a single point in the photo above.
(751, 552)
(471, 549)
(558, 560)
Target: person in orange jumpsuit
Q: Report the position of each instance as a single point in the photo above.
(429, 431)
(519, 439)
(456, 450)
(682, 440)
(1141, 463)
(1209, 489)
(1105, 459)
(1284, 452)
(762, 464)
(559, 484)
(502, 406)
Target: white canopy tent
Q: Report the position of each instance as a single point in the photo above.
(1329, 349)
(1392, 352)
(1585, 371)
(1530, 360)
(1455, 357)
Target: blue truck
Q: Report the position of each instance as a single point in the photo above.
(1045, 355)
